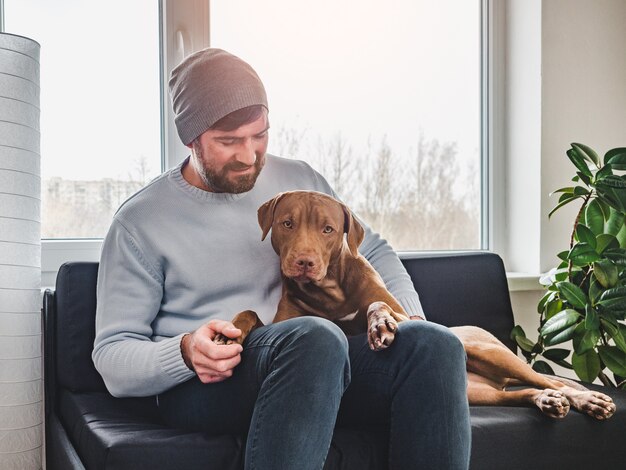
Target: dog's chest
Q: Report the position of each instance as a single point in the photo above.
(327, 300)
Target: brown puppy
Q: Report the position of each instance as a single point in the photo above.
(324, 275)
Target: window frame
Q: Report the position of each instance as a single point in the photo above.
(184, 28)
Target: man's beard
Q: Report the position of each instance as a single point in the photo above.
(217, 180)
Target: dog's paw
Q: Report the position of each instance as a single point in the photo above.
(381, 327)
(246, 321)
(552, 403)
(221, 339)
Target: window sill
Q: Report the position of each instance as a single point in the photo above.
(523, 282)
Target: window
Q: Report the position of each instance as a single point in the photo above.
(383, 99)
(100, 118)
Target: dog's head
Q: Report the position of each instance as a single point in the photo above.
(309, 230)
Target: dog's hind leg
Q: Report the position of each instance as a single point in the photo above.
(482, 391)
(488, 357)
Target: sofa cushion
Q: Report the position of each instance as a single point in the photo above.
(75, 298)
(525, 438)
(113, 433)
(463, 289)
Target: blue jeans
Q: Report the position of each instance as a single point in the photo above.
(298, 377)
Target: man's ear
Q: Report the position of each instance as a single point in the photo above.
(353, 230)
(266, 214)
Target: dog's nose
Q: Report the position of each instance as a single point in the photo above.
(305, 262)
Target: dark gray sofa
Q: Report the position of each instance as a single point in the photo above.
(88, 428)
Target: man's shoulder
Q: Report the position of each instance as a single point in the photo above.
(287, 164)
(149, 195)
(292, 171)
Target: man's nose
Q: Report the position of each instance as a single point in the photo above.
(247, 152)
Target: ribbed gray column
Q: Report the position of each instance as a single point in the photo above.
(21, 408)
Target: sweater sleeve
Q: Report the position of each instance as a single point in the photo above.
(385, 260)
(129, 293)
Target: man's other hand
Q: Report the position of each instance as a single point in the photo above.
(211, 362)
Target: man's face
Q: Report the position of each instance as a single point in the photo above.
(230, 161)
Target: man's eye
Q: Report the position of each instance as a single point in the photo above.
(328, 229)
(287, 223)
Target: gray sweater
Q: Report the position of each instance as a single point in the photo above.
(177, 256)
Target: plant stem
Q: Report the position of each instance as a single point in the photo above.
(605, 380)
(571, 240)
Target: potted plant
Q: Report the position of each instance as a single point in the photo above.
(585, 300)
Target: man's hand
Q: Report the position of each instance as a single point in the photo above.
(211, 362)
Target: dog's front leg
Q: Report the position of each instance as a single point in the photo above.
(246, 321)
(382, 324)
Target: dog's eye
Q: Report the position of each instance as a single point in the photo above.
(328, 229)
(287, 224)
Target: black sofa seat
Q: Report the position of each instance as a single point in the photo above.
(88, 428)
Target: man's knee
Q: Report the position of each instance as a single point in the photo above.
(318, 334)
(433, 340)
(317, 345)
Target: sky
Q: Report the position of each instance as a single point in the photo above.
(364, 69)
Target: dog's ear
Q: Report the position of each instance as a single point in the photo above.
(266, 214)
(353, 230)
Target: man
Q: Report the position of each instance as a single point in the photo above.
(184, 255)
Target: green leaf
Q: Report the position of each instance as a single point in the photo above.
(595, 290)
(594, 217)
(616, 158)
(517, 331)
(614, 293)
(567, 190)
(613, 181)
(587, 153)
(592, 321)
(564, 364)
(583, 254)
(559, 322)
(605, 242)
(587, 366)
(547, 297)
(614, 332)
(563, 255)
(585, 235)
(621, 236)
(612, 190)
(606, 273)
(585, 178)
(524, 343)
(581, 191)
(553, 308)
(587, 342)
(561, 337)
(579, 162)
(543, 367)
(563, 202)
(614, 299)
(615, 222)
(573, 294)
(556, 354)
(614, 359)
(604, 172)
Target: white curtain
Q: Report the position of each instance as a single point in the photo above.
(21, 407)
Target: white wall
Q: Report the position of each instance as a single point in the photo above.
(566, 82)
